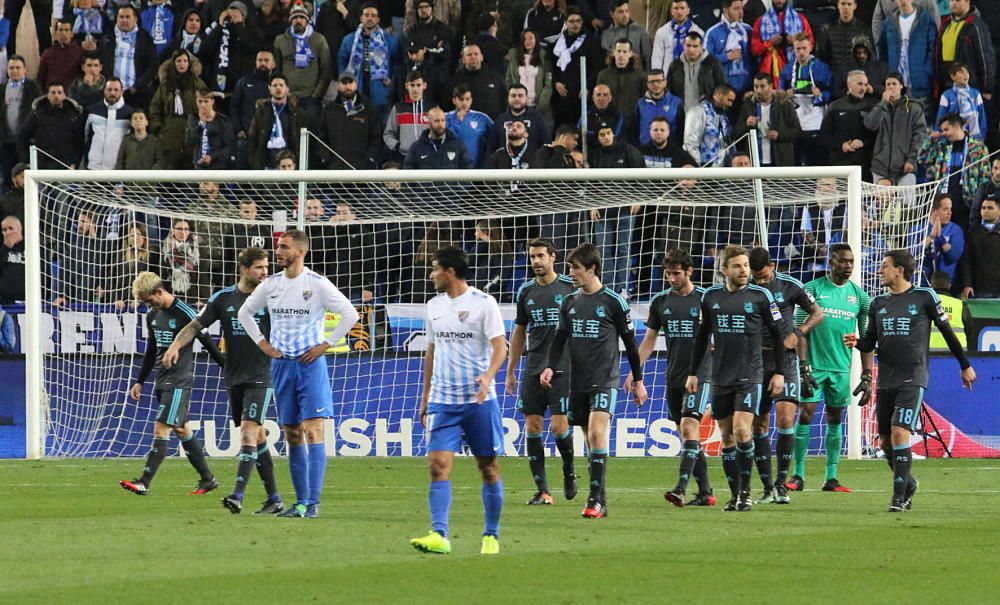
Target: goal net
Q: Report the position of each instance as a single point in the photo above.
(373, 234)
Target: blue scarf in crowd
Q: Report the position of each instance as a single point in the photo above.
(88, 21)
(716, 133)
(303, 54)
(125, 43)
(771, 26)
(680, 32)
(378, 51)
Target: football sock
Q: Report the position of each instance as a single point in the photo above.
(265, 468)
(689, 457)
(901, 462)
(731, 468)
(564, 443)
(745, 460)
(492, 505)
(154, 459)
(701, 472)
(598, 462)
(786, 443)
(834, 439)
(762, 457)
(801, 447)
(536, 460)
(317, 470)
(196, 455)
(439, 501)
(298, 467)
(247, 458)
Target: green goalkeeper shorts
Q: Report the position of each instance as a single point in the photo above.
(834, 388)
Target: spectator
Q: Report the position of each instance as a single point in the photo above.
(250, 88)
(303, 56)
(603, 110)
(89, 23)
(408, 119)
(819, 226)
(965, 101)
(944, 242)
(695, 74)
(660, 151)
(370, 53)
(189, 37)
(835, 41)
(105, 127)
(729, 42)
(351, 256)
(863, 59)
(431, 34)
(772, 114)
(492, 261)
(979, 273)
(133, 257)
(899, 127)
(488, 90)
(437, 147)
(911, 55)
(470, 126)
(436, 236)
(518, 109)
(808, 82)
(181, 257)
(229, 49)
(515, 153)
(61, 62)
(963, 38)
(772, 41)
(531, 66)
(843, 132)
(625, 78)
(988, 188)
(545, 20)
(11, 261)
(959, 158)
(12, 202)
(613, 226)
(706, 128)
(139, 149)
(274, 17)
(275, 125)
(657, 102)
(562, 228)
(418, 60)
(557, 153)
(623, 27)
(668, 42)
(54, 125)
(571, 45)
(248, 233)
(335, 20)
(493, 50)
(887, 10)
(83, 259)
(158, 21)
(348, 121)
(174, 101)
(88, 88)
(127, 52)
(213, 255)
(209, 135)
(19, 92)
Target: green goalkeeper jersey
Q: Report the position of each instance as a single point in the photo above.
(845, 308)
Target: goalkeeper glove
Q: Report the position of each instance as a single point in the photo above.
(864, 388)
(809, 384)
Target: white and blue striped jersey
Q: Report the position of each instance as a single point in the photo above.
(298, 311)
(460, 330)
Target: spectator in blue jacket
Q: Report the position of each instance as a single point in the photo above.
(437, 148)
(915, 62)
(371, 53)
(808, 81)
(945, 240)
(471, 126)
(729, 42)
(964, 100)
(658, 102)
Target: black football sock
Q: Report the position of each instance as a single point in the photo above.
(786, 448)
(744, 457)
(265, 468)
(689, 457)
(247, 457)
(598, 462)
(902, 460)
(564, 443)
(762, 457)
(154, 459)
(701, 472)
(536, 460)
(732, 469)
(196, 456)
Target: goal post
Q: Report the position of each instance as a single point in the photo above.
(457, 198)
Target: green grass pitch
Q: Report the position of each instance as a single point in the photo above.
(70, 534)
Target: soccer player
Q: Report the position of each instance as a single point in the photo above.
(736, 314)
(538, 302)
(592, 319)
(899, 324)
(788, 293)
(845, 307)
(297, 300)
(165, 317)
(247, 374)
(466, 345)
(676, 312)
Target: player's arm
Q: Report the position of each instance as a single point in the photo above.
(556, 347)
(645, 350)
(869, 335)
(626, 332)
(254, 303)
(189, 332)
(773, 321)
(425, 394)
(148, 361)
(940, 319)
(517, 340)
(700, 348)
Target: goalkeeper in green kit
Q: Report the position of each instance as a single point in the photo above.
(845, 308)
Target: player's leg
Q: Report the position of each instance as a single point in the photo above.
(784, 418)
(563, 433)
(746, 408)
(691, 417)
(265, 464)
(692, 456)
(192, 445)
(904, 419)
(722, 410)
(761, 436)
(836, 396)
(443, 433)
(597, 438)
(285, 378)
(158, 452)
(316, 403)
(483, 429)
(532, 405)
(248, 445)
(801, 435)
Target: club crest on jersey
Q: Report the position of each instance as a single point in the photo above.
(852, 300)
(694, 311)
(748, 307)
(912, 309)
(172, 324)
(558, 298)
(778, 296)
(600, 311)
(307, 294)
(462, 316)
(451, 155)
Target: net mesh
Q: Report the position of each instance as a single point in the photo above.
(374, 240)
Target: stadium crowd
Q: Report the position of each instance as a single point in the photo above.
(903, 88)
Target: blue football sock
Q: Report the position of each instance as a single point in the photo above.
(439, 500)
(317, 471)
(492, 504)
(298, 466)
